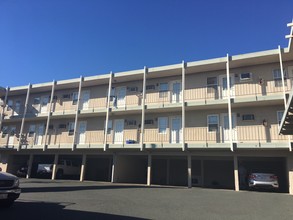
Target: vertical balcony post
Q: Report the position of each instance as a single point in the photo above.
(236, 179)
(49, 115)
(284, 91)
(83, 166)
(143, 108)
(77, 113)
(189, 171)
(23, 116)
(108, 109)
(54, 170)
(229, 102)
(29, 166)
(3, 107)
(183, 105)
(149, 170)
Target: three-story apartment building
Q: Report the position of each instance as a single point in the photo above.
(191, 123)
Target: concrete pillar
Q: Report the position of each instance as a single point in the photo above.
(290, 173)
(113, 169)
(183, 106)
(168, 172)
(141, 141)
(149, 172)
(29, 166)
(82, 170)
(236, 178)
(189, 171)
(54, 170)
(108, 110)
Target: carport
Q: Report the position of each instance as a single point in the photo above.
(130, 169)
(167, 170)
(16, 162)
(69, 167)
(218, 173)
(39, 160)
(275, 165)
(98, 168)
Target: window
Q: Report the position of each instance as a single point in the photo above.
(131, 122)
(71, 128)
(212, 84)
(163, 124)
(74, 98)
(213, 123)
(278, 77)
(248, 117)
(110, 127)
(4, 131)
(9, 105)
(62, 126)
(31, 131)
(133, 89)
(150, 87)
(37, 101)
(66, 96)
(163, 90)
(148, 122)
(279, 116)
(245, 76)
(12, 131)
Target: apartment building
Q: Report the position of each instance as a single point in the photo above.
(188, 124)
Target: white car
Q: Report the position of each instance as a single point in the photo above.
(9, 188)
(263, 180)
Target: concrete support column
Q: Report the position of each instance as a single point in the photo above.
(29, 166)
(290, 173)
(229, 101)
(83, 166)
(149, 171)
(54, 170)
(113, 179)
(236, 178)
(168, 172)
(189, 171)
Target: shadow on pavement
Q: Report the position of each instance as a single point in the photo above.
(44, 210)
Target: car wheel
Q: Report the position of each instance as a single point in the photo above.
(59, 174)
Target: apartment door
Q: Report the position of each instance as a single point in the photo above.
(44, 104)
(16, 110)
(225, 127)
(175, 129)
(39, 134)
(81, 132)
(121, 93)
(84, 102)
(11, 136)
(118, 131)
(224, 86)
(176, 92)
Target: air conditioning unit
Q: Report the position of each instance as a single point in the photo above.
(245, 76)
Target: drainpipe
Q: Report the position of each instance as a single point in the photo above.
(23, 116)
(3, 107)
(49, 115)
(77, 113)
(143, 108)
(183, 105)
(229, 102)
(108, 108)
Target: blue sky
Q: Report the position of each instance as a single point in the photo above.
(42, 40)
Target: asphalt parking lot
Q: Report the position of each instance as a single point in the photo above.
(69, 199)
